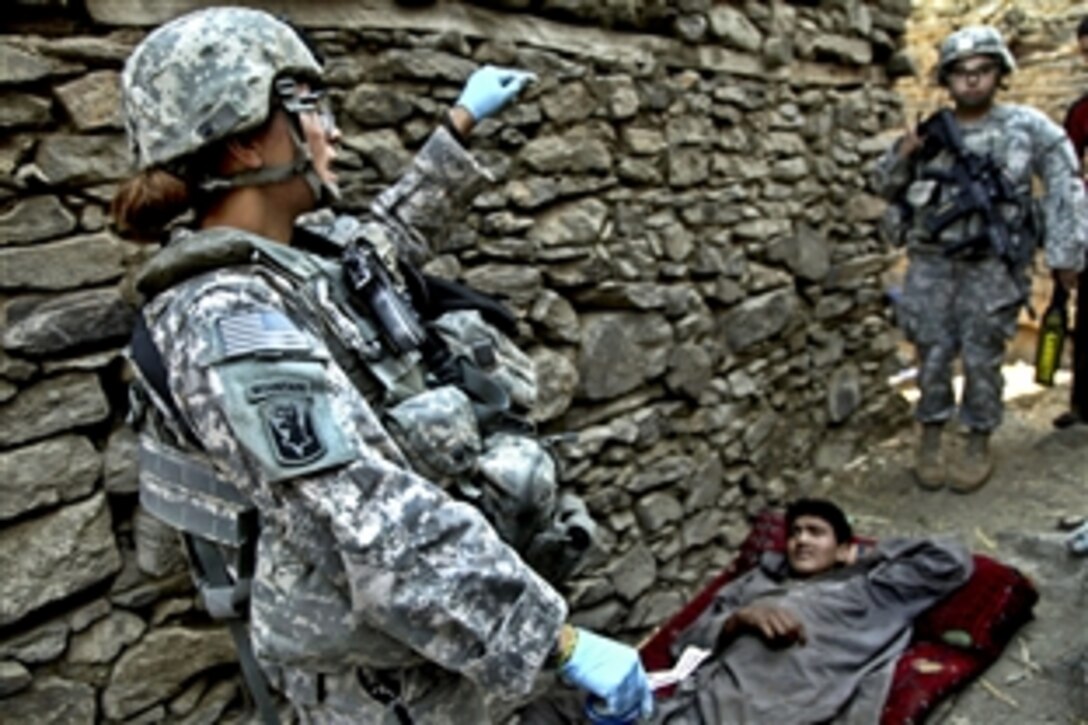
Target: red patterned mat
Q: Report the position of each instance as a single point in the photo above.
(953, 642)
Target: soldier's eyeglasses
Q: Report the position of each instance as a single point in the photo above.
(298, 101)
(975, 72)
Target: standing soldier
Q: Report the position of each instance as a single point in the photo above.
(379, 594)
(961, 184)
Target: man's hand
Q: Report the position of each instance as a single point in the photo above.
(1067, 278)
(910, 141)
(852, 554)
(779, 627)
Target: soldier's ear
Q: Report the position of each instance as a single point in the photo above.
(243, 152)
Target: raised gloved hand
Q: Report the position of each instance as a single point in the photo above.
(613, 672)
(490, 88)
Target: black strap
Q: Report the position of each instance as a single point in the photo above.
(213, 573)
(146, 355)
(386, 693)
(433, 296)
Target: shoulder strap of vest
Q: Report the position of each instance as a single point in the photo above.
(148, 360)
(213, 570)
(225, 597)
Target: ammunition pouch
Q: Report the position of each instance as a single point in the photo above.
(467, 335)
(511, 478)
(517, 490)
(437, 431)
(516, 487)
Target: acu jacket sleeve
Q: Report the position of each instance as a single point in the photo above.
(290, 429)
(418, 210)
(1065, 208)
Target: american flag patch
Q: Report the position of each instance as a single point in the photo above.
(260, 331)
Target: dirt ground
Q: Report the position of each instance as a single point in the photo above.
(1041, 477)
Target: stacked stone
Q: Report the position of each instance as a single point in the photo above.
(680, 220)
(84, 633)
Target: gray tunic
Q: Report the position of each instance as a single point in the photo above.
(857, 621)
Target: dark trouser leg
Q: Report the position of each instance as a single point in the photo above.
(1078, 403)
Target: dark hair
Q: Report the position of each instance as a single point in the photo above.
(821, 509)
(145, 204)
(1082, 27)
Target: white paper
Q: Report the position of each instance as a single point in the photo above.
(690, 658)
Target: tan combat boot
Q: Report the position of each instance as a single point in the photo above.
(928, 462)
(969, 471)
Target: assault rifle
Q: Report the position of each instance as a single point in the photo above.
(982, 188)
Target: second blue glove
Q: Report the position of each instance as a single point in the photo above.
(612, 671)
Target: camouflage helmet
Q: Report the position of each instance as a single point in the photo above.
(974, 40)
(205, 76)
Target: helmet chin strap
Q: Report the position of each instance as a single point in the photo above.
(324, 193)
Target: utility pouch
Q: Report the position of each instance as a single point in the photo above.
(556, 552)
(469, 336)
(920, 193)
(437, 431)
(518, 487)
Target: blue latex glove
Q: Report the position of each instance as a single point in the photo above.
(490, 88)
(613, 672)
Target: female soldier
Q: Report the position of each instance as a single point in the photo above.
(377, 597)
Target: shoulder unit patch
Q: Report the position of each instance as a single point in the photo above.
(286, 411)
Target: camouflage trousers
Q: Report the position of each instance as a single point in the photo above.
(960, 308)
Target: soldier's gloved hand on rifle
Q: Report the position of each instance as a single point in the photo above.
(491, 88)
(609, 670)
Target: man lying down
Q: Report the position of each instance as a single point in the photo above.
(809, 637)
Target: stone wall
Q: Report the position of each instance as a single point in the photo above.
(680, 220)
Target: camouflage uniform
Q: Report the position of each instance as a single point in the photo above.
(969, 307)
(377, 596)
(363, 563)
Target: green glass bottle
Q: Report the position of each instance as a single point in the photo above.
(1051, 341)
